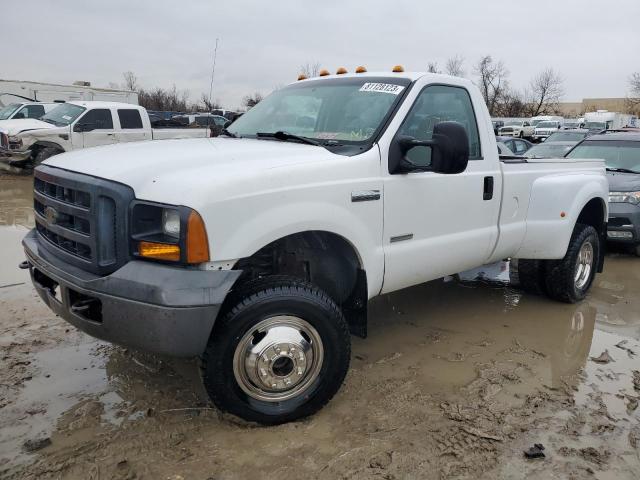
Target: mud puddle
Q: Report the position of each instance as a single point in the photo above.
(456, 379)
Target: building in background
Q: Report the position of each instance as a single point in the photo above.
(578, 109)
(17, 90)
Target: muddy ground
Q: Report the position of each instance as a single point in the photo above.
(456, 379)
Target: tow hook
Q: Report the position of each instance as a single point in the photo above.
(24, 265)
(82, 306)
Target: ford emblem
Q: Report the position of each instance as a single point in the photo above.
(51, 214)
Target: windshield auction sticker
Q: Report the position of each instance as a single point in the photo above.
(382, 88)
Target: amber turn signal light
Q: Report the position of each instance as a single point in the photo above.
(159, 251)
(197, 241)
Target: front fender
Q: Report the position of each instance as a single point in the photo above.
(554, 207)
(243, 238)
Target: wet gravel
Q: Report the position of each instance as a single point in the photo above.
(456, 380)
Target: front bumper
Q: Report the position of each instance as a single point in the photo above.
(153, 307)
(7, 155)
(624, 223)
(509, 134)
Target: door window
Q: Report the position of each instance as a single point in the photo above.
(435, 104)
(520, 146)
(99, 119)
(30, 111)
(129, 118)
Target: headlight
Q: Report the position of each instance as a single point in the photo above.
(175, 234)
(171, 222)
(15, 142)
(624, 197)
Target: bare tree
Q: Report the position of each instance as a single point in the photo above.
(492, 81)
(633, 101)
(130, 81)
(432, 67)
(206, 104)
(545, 92)
(310, 70)
(454, 66)
(512, 104)
(252, 100)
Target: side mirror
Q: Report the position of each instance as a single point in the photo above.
(449, 150)
(83, 127)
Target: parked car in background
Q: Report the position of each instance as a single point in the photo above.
(17, 110)
(78, 125)
(200, 120)
(516, 128)
(621, 152)
(573, 123)
(504, 150)
(567, 136)
(606, 120)
(546, 128)
(545, 118)
(497, 125)
(555, 149)
(517, 145)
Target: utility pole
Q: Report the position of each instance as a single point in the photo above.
(213, 71)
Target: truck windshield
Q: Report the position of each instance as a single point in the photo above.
(63, 115)
(338, 110)
(616, 154)
(7, 111)
(547, 151)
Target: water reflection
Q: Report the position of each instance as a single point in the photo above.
(16, 201)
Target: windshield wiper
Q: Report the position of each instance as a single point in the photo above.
(284, 136)
(621, 170)
(228, 133)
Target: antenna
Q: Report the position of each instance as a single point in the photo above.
(213, 70)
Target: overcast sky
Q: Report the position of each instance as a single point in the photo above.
(595, 45)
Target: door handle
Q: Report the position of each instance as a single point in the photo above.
(488, 188)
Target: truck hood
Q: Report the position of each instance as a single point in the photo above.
(623, 182)
(178, 171)
(13, 127)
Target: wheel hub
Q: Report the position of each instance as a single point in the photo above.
(278, 359)
(584, 265)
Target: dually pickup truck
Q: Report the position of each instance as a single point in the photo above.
(257, 251)
(76, 125)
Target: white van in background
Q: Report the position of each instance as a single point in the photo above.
(545, 118)
(606, 120)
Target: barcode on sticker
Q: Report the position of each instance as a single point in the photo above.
(382, 88)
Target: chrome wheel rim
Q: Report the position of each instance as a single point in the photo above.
(584, 265)
(278, 359)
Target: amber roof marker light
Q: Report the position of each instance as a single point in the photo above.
(302, 76)
(323, 73)
(361, 69)
(397, 69)
(341, 71)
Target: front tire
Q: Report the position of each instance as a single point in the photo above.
(568, 280)
(280, 353)
(43, 154)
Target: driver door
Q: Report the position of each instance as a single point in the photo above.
(94, 128)
(438, 224)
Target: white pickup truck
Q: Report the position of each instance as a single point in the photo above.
(258, 251)
(76, 125)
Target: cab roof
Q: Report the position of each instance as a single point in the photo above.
(103, 104)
